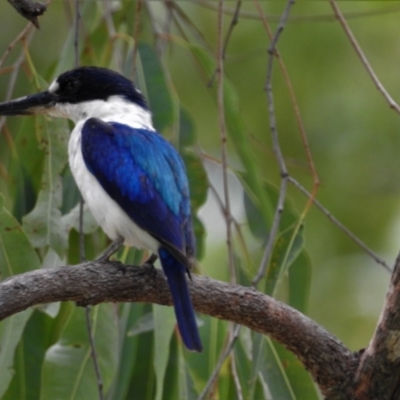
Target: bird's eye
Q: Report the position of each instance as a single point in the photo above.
(71, 86)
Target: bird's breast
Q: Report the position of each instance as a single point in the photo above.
(108, 214)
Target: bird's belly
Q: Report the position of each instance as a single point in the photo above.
(108, 214)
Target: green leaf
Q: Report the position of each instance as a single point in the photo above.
(143, 381)
(300, 380)
(243, 360)
(16, 253)
(38, 334)
(164, 323)
(236, 131)
(71, 220)
(268, 368)
(239, 138)
(11, 330)
(43, 224)
(68, 371)
(187, 133)
(128, 349)
(198, 186)
(287, 247)
(26, 167)
(16, 256)
(143, 324)
(197, 176)
(300, 275)
(158, 93)
(185, 381)
(254, 216)
(92, 15)
(200, 234)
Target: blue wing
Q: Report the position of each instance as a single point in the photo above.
(145, 175)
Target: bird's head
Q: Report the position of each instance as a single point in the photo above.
(74, 91)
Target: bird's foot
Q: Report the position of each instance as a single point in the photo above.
(113, 248)
(149, 263)
(151, 260)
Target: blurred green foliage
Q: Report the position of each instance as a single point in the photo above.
(169, 49)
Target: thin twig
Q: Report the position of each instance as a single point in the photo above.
(76, 37)
(203, 156)
(108, 19)
(94, 353)
(234, 22)
(234, 331)
(273, 232)
(310, 161)
(351, 235)
(16, 67)
(276, 147)
(18, 38)
(198, 34)
(136, 35)
(112, 33)
(162, 45)
(220, 361)
(363, 58)
(238, 387)
(154, 26)
(81, 233)
(282, 192)
(302, 18)
(234, 221)
(224, 139)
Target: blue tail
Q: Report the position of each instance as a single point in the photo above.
(175, 273)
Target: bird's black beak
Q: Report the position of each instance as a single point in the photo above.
(29, 105)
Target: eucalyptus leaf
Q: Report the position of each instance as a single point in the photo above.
(270, 370)
(16, 256)
(300, 276)
(68, 371)
(158, 92)
(164, 323)
(128, 350)
(43, 224)
(287, 248)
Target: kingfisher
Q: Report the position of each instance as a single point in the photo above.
(133, 180)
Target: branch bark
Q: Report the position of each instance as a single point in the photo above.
(330, 363)
(378, 375)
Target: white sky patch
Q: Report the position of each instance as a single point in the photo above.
(210, 213)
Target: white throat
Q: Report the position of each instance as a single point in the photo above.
(115, 108)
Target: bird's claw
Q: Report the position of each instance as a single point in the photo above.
(151, 260)
(113, 248)
(149, 263)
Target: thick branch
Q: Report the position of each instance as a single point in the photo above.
(330, 362)
(378, 375)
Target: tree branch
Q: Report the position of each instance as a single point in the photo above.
(330, 363)
(379, 370)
